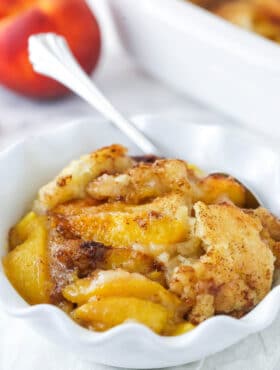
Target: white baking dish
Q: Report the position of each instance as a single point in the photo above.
(29, 164)
(228, 68)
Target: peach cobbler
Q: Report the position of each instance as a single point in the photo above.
(259, 16)
(115, 238)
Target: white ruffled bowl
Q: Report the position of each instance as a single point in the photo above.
(29, 164)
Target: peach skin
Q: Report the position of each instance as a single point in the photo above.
(20, 19)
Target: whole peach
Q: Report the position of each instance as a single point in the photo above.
(21, 18)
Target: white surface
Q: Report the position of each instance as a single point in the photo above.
(202, 55)
(133, 92)
(133, 345)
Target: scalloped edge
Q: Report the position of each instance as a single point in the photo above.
(259, 318)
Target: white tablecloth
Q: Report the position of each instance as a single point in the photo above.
(134, 93)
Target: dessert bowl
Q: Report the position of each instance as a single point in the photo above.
(29, 164)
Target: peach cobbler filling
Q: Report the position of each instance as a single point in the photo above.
(259, 16)
(115, 238)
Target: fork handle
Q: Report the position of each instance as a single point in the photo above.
(52, 57)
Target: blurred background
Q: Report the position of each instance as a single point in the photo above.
(129, 88)
(203, 60)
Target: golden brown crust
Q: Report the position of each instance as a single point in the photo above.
(270, 232)
(163, 219)
(72, 181)
(205, 266)
(147, 181)
(143, 182)
(236, 268)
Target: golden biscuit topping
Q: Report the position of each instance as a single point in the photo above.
(148, 239)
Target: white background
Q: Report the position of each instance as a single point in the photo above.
(134, 93)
